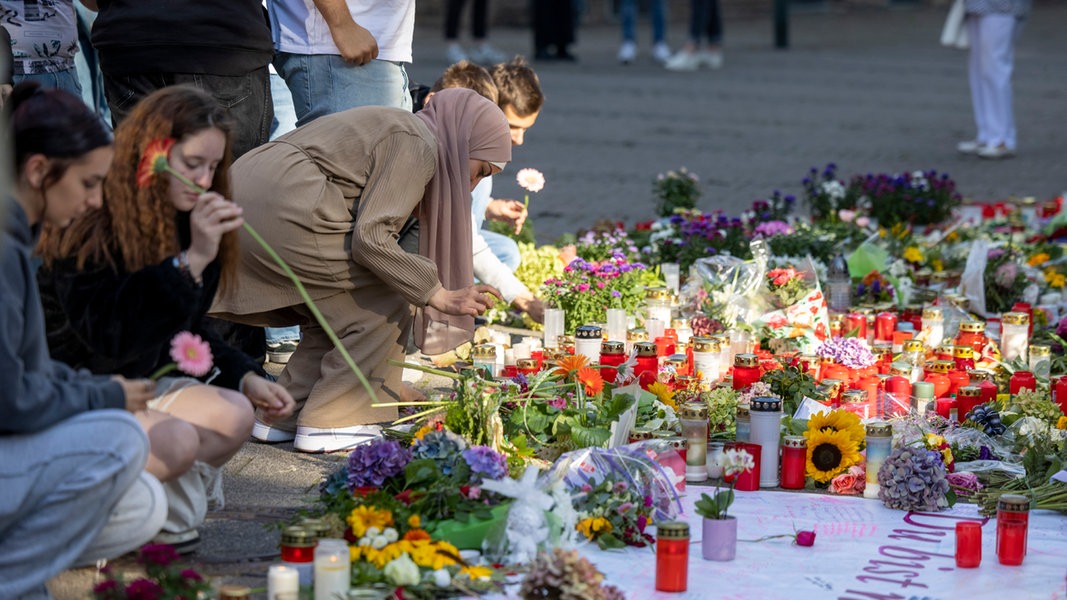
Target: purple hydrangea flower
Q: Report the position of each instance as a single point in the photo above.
(485, 463)
(371, 464)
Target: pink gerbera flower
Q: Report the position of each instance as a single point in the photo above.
(191, 353)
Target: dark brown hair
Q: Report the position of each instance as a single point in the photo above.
(519, 87)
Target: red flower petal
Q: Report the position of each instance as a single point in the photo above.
(156, 150)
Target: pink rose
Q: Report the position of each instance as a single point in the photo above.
(844, 483)
(805, 538)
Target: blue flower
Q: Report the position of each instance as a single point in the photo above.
(485, 463)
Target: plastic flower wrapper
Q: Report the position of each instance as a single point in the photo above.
(800, 317)
(725, 288)
(643, 490)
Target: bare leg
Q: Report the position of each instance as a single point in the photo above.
(173, 444)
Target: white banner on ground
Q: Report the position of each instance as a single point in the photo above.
(862, 551)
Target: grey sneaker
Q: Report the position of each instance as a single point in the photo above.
(280, 352)
(969, 147)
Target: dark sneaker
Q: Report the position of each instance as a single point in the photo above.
(280, 352)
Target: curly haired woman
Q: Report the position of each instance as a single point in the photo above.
(122, 282)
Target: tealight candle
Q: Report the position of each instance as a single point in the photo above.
(333, 569)
(283, 583)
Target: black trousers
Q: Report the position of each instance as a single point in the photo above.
(553, 22)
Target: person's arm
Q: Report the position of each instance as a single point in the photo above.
(355, 43)
(38, 392)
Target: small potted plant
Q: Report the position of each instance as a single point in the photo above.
(719, 540)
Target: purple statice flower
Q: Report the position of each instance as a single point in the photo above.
(849, 352)
(772, 228)
(485, 463)
(443, 447)
(371, 464)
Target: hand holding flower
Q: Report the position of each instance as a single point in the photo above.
(211, 218)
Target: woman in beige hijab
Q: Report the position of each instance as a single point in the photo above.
(337, 199)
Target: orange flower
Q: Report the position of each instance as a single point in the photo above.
(591, 379)
(414, 535)
(154, 160)
(570, 364)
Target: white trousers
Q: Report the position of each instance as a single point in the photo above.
(992, 56)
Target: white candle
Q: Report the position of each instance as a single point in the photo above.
(283, 583)
(553, 326)
(616, 327)
(333, 569)
(671, 275)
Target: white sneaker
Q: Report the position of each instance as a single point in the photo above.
(711, 59)
(996, 152)
(272, 435)
(661, 52)
(969, 147)
(314, 439)
(683, 61)
(627, 52)
(455, 53)
(485, 54)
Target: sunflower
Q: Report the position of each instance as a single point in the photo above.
(364, 517)
(569, 364)
(829, 454)
(839, 420)
(664, 393)
(591, 379)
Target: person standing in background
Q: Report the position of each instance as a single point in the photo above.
(483, 52)
(705, 21)
(553, 28)
(661, 52)
(993, 27)
(338, 54)
(44, 40)
(222, 48)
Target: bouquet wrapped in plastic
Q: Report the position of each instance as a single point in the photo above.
(617, 493)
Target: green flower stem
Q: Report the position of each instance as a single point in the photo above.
(164, 165)
(167, 368)
(425, 369)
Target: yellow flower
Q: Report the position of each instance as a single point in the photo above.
(937, 265)
(664, 393)
(421, 433)
(433, 555)
(839, 420)
(363, 517)
(1054, 279)
(414, 521)
(476, 572)
(952, 236)
(1061, 423)
(1038, 259)
(829, 454)
(591, 527)
(912, 254)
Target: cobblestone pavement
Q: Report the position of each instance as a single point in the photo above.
(868, 89)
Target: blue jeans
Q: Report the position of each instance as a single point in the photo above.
(64, 80)
(284, 112)
(88, 64)
(323, 84)
(628, 17)
(57, 490)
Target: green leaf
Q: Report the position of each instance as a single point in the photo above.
(422, 472)
(618, 404)
(587, 437)
(608, 541)
(950, 495)
(724, 499)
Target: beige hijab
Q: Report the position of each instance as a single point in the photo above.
(467, 126)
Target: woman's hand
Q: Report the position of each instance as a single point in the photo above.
(273, 401)
(471, 301)
(137, 391)
(508, 211)
(211, 218)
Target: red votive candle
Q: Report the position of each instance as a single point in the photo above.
(1013, 519)
(794, 457)
(1059, 393)
(746, 371)
(968, 544)
(885, 323)
(612, 354)
(749, 480)
(672, 556)
(647, 367)
(1021, 380)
